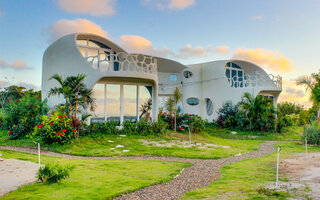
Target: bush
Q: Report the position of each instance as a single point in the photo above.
(56, 128)
(53, 172)
(106, 128)
(2, 118)
(142, 127)
(227, 115)
(312, 132)
(23, 115)
(183, 121)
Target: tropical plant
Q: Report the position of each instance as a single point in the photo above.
(74, 92)
(312, 84)
(258, 111)
(227, 115)
(145, 109)
(56, 128)
(312, 133)
(53, 172)
(184, 121)
(23, 115)
(171, 104)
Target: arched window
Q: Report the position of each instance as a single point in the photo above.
(235, 75)
(209, 106)
(98, 54)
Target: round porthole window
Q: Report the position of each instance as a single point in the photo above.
(173, 77)
(187, 74)
(193, 101)
(209, 106)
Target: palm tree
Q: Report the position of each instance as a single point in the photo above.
(312, 84)
(145, 109)
(259, 111)
(171, 104)
(74, 92)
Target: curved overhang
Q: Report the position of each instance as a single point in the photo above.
(89, 36)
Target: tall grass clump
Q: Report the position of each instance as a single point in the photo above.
(312, 133)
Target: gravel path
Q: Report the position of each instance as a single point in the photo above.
(201, 174)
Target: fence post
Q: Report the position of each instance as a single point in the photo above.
(306, 148)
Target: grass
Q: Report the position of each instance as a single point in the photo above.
(96, 179)
(288, 134)
(99, 145)
(246, 179)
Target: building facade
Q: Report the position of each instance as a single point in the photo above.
(123, 82)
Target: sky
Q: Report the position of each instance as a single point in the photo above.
(281, 36)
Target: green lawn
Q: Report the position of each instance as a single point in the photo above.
(100, 146)
(96, 179)
(241, 180)
(288, 134)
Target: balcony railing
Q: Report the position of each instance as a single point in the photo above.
(108, 60)
(255, 80)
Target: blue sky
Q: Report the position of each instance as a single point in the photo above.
(282, 36)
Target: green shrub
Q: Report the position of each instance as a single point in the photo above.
(183, 121)
(2, 118)
(53, 172)
(106, 128)
(227, 115)
(129, 128)
(312, 132)
(56, 128)
(23, 115)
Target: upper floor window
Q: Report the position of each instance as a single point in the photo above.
(187, 74)
(193, 101)
(173, 77)
(235, 75)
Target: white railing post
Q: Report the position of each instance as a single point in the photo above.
(39, 154)
(306, 148)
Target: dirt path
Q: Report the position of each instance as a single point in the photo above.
(15, 173)
(201, 174)
(303, 174)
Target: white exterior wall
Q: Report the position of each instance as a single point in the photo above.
(64, 58)
(208, 80)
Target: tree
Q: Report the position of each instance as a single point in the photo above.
(171, 105)
(145, 109)
(74, 92)
(259, 112)
(312, 84)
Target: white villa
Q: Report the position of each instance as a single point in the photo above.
(122, 82)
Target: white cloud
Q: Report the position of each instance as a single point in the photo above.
(92, 7)
(138, 44)
(64, 27)
(169, 4)
(28, 86)
(222, 50)
(257, 17)
(17, 65)
(272, 60)
(188, 51)
(293, 93)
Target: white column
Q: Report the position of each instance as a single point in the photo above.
(105, 102)
(155, 102)
(121, 104)
(138, 101)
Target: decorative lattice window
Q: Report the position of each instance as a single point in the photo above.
(235, 75)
